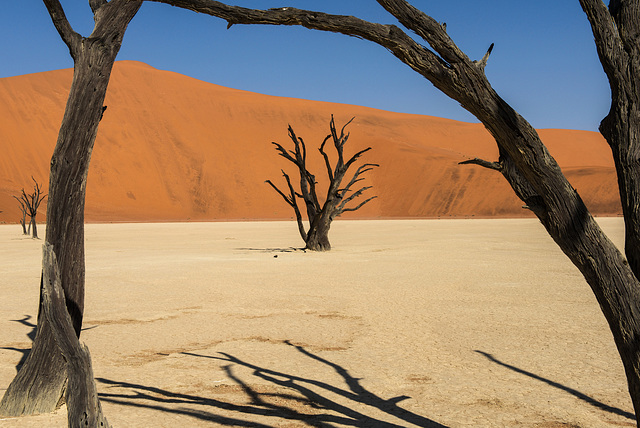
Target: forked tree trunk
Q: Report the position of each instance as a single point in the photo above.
(39, 385)
(318, 236)
(84, 409)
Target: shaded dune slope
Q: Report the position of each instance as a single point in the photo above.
(173, 148)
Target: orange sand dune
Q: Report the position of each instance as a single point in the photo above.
(174, 148)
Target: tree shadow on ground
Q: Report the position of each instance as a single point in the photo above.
(297, 399)
(589, 400)
(274, 250)
(31, 335)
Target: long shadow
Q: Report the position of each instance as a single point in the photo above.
(590, 400)
(314, 407)
(274, 250)
(31, 335)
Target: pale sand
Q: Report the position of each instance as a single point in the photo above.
(466, 323)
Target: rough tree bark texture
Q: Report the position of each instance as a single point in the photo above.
(83, 406)
(617, 35)
(524, 161)
(321, 215)
(39, 385)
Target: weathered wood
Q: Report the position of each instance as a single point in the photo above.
(320, 215)
(39, 385)
(616, 31)
(525, 162)
(83, 406)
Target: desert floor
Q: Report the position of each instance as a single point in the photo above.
(426, 323)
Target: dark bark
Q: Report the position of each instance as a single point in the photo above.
(525, 162)
(23, 210)
(39, 385)
(318, 237)
(321, 215)
(29, 204)
(83, 406)
(34, 228)
(617, 35)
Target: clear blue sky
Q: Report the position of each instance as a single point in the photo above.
(544, 62)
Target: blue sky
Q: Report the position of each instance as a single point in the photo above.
(544, 62)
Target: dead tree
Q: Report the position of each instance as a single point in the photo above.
(524, 161)
(320, 215)
(83, 406)
(39, 385)
(29, 204)
(23, 210)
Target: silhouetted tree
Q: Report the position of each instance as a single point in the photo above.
(523, 160)
(320, 215)
(39, 385)
(23, 210)
(29, 204)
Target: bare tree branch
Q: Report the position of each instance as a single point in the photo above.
(355, 157)
(326, 157)
(291, 200)
(286, 198)
(483, 62)
(96, 5)
(285, 153)
(427, 28)
(486, 164)
(360, 205)
(389, 36)
(67, 34)
(356, 177)
(351, 197)
(604, 29)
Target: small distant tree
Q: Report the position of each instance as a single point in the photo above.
(23, 210)
(29, 204)
(320, 215)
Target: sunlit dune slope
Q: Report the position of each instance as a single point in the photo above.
(172, 148)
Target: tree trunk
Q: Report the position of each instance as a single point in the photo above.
(615, 31)
(83, 406)
(34, 228)
(318, 236)
(39, 385)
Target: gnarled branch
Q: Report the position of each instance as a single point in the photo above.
(483, 163)
(67, 34)
(291, 200)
